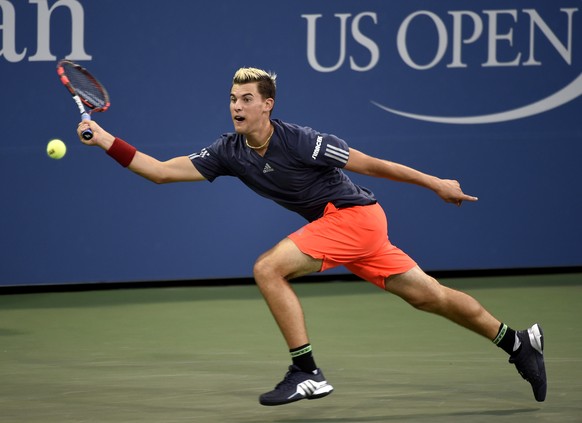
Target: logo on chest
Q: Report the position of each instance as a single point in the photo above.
(268, 168)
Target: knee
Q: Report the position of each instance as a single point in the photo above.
(260, 269)
(431, 300)
(264, 270)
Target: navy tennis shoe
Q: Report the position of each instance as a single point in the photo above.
(529, 360)
(297, 385)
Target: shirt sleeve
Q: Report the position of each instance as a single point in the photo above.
(320, 149)
(208, 160)
(335, 150)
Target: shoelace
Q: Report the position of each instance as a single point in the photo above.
(286, 380)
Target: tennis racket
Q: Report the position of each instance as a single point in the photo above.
(86, 90)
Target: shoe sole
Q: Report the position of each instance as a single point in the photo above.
(536, 338)
(320, 392)
(324, 391)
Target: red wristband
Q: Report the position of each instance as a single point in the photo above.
(122, 152)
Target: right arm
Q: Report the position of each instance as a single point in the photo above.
(178, 169)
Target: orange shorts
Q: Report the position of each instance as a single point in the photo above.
(357, 238)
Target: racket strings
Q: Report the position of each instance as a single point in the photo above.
(86, 87)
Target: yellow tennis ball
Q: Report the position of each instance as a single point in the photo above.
(56, 149)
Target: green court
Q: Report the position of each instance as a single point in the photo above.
(205, 354)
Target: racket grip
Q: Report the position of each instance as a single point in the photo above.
(87, 133)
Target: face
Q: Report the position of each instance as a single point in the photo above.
(248, 109)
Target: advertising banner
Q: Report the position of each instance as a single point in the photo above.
(485, 92)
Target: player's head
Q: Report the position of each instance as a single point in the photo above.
(266, 81)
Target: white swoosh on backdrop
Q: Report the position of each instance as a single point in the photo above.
(563, 96)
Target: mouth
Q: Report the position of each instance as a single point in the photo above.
(238, 118)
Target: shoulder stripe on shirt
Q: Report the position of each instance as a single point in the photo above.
(336, 153)
(203, 153)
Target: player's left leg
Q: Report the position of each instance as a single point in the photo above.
(525, 347)
(425, 293)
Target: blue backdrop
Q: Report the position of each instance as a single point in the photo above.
(486, 92)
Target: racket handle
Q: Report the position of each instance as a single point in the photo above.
(87, 133)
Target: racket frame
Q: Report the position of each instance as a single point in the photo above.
(82, 102)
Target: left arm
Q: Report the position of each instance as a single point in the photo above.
(449, 190)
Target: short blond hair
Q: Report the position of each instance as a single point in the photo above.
(266, 81)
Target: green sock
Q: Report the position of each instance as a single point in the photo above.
(506, 339)
(303, 358)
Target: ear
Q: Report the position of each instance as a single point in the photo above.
(269, 104)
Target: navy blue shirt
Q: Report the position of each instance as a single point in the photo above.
(301, 169)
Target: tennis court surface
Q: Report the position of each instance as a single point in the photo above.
(205, 354)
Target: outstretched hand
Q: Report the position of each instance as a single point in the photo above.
(101, 137)
(450, 191)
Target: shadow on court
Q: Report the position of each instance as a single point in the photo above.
(516, 413)
(205, 354)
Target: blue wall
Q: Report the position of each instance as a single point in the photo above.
(505, 76)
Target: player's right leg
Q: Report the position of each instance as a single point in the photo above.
(272, 271)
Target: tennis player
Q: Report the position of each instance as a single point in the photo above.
(303, 170)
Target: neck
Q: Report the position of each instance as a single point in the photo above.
(258, 143)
